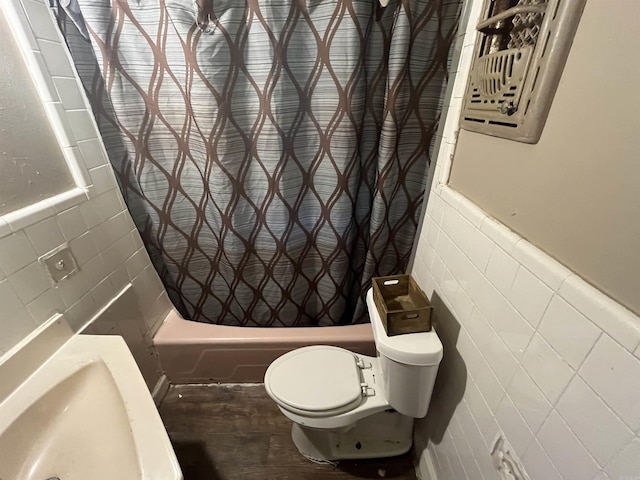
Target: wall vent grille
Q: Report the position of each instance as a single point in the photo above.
(521, 50)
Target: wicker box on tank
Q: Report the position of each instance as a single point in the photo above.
(402, 305)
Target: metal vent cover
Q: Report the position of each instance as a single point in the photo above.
(520, 52)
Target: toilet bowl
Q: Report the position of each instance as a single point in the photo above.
(346, 406)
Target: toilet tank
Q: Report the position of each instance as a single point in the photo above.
(409, 365)
(408, 387)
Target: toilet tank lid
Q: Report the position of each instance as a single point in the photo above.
(419, 349)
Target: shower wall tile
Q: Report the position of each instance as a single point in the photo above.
(120, 251)
(112, 230)
(46, 305)
(103, 208)
(40, 20)
(102, 179)
(55, 58)
(68, 91)
(120, 277)
(99, 230)
(71, 223)
(84, 248)
(531, 349)
(82, 124)
(137, 263)
(15, 253)
(77, 315)
(19, 327)
(11, 302)
(30, 282)
(45, 235)
(93, 153)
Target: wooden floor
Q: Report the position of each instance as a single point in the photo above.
(237, 433)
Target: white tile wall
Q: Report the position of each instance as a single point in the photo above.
(529, 295)
(566, 451)
(610, 316)
(547, 368)
(604, 434)
(614, 374)
(513, 425)
(625, 462)
(568, 331)
(99, 231)
(537, 463)
(549, 361)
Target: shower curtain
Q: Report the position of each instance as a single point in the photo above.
(272, 152)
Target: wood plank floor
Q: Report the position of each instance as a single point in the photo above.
(237, 433)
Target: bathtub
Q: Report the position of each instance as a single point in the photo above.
(194, 352)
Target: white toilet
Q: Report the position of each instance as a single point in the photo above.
(347, 406)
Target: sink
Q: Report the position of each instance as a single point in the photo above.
(84, 413)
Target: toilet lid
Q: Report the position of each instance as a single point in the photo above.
(315, 379)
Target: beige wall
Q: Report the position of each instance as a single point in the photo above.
(575, 194)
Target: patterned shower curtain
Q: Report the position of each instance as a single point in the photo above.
(272, 152)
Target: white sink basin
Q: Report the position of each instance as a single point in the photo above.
(85, 413)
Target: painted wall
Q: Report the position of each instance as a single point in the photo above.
(97, 227)
(575, 193)
(531, 349)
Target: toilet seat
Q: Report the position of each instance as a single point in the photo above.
(316, 381)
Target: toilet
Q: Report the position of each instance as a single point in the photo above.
(349, 406)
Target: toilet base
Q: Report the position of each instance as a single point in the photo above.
(384, 434)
